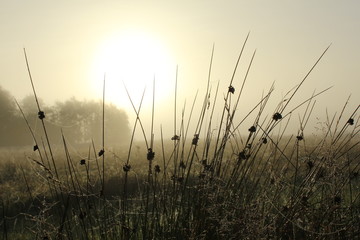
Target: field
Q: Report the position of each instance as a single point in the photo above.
(213, 183)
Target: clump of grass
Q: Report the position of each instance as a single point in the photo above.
(223, 183)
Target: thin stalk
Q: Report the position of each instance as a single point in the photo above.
(218, 159)
(31, 131)
(41, 115)
(103, 140)
(228, 93)
(306, 76)
(138, 114)
(150, 159)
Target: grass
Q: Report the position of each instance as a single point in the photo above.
(218, 183)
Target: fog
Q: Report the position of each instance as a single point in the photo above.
(62, 41)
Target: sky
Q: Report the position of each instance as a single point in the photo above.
(72, 46)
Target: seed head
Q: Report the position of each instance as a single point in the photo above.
(252, 129)
(150, 155)
(175, 138)
(126, 167)
(182, 165)
(41, 115)
(242, 156)
(101, 152)
(157, 168)
(195, 139)
(350, 121)
(231, 89)
(277, 116)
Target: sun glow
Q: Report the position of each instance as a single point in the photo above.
(133, 59)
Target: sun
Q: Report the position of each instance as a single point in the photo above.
(133, 59)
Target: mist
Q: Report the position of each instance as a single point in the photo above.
(79, 122)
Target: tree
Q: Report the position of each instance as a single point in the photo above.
(12, 131)
(81, 121)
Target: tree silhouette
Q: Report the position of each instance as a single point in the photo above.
(12, 129)
(80, 121)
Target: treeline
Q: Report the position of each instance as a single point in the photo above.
(80, 122)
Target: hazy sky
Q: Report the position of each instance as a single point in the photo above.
(69, 42)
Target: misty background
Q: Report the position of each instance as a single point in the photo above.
(79, 121)
(62, 39)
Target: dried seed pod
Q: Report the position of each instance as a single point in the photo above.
(157, 168)
(150, 155)
(242, 156)
(101, 152)
(252, 129)
(277, 116)
(350, 121)
(195, 139)
(175, 138)
(231, 89)
(126, 167)
(41, 115)
(182, 165)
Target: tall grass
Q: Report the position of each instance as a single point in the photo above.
(220, 183)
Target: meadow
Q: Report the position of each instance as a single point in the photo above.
(217, 182)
